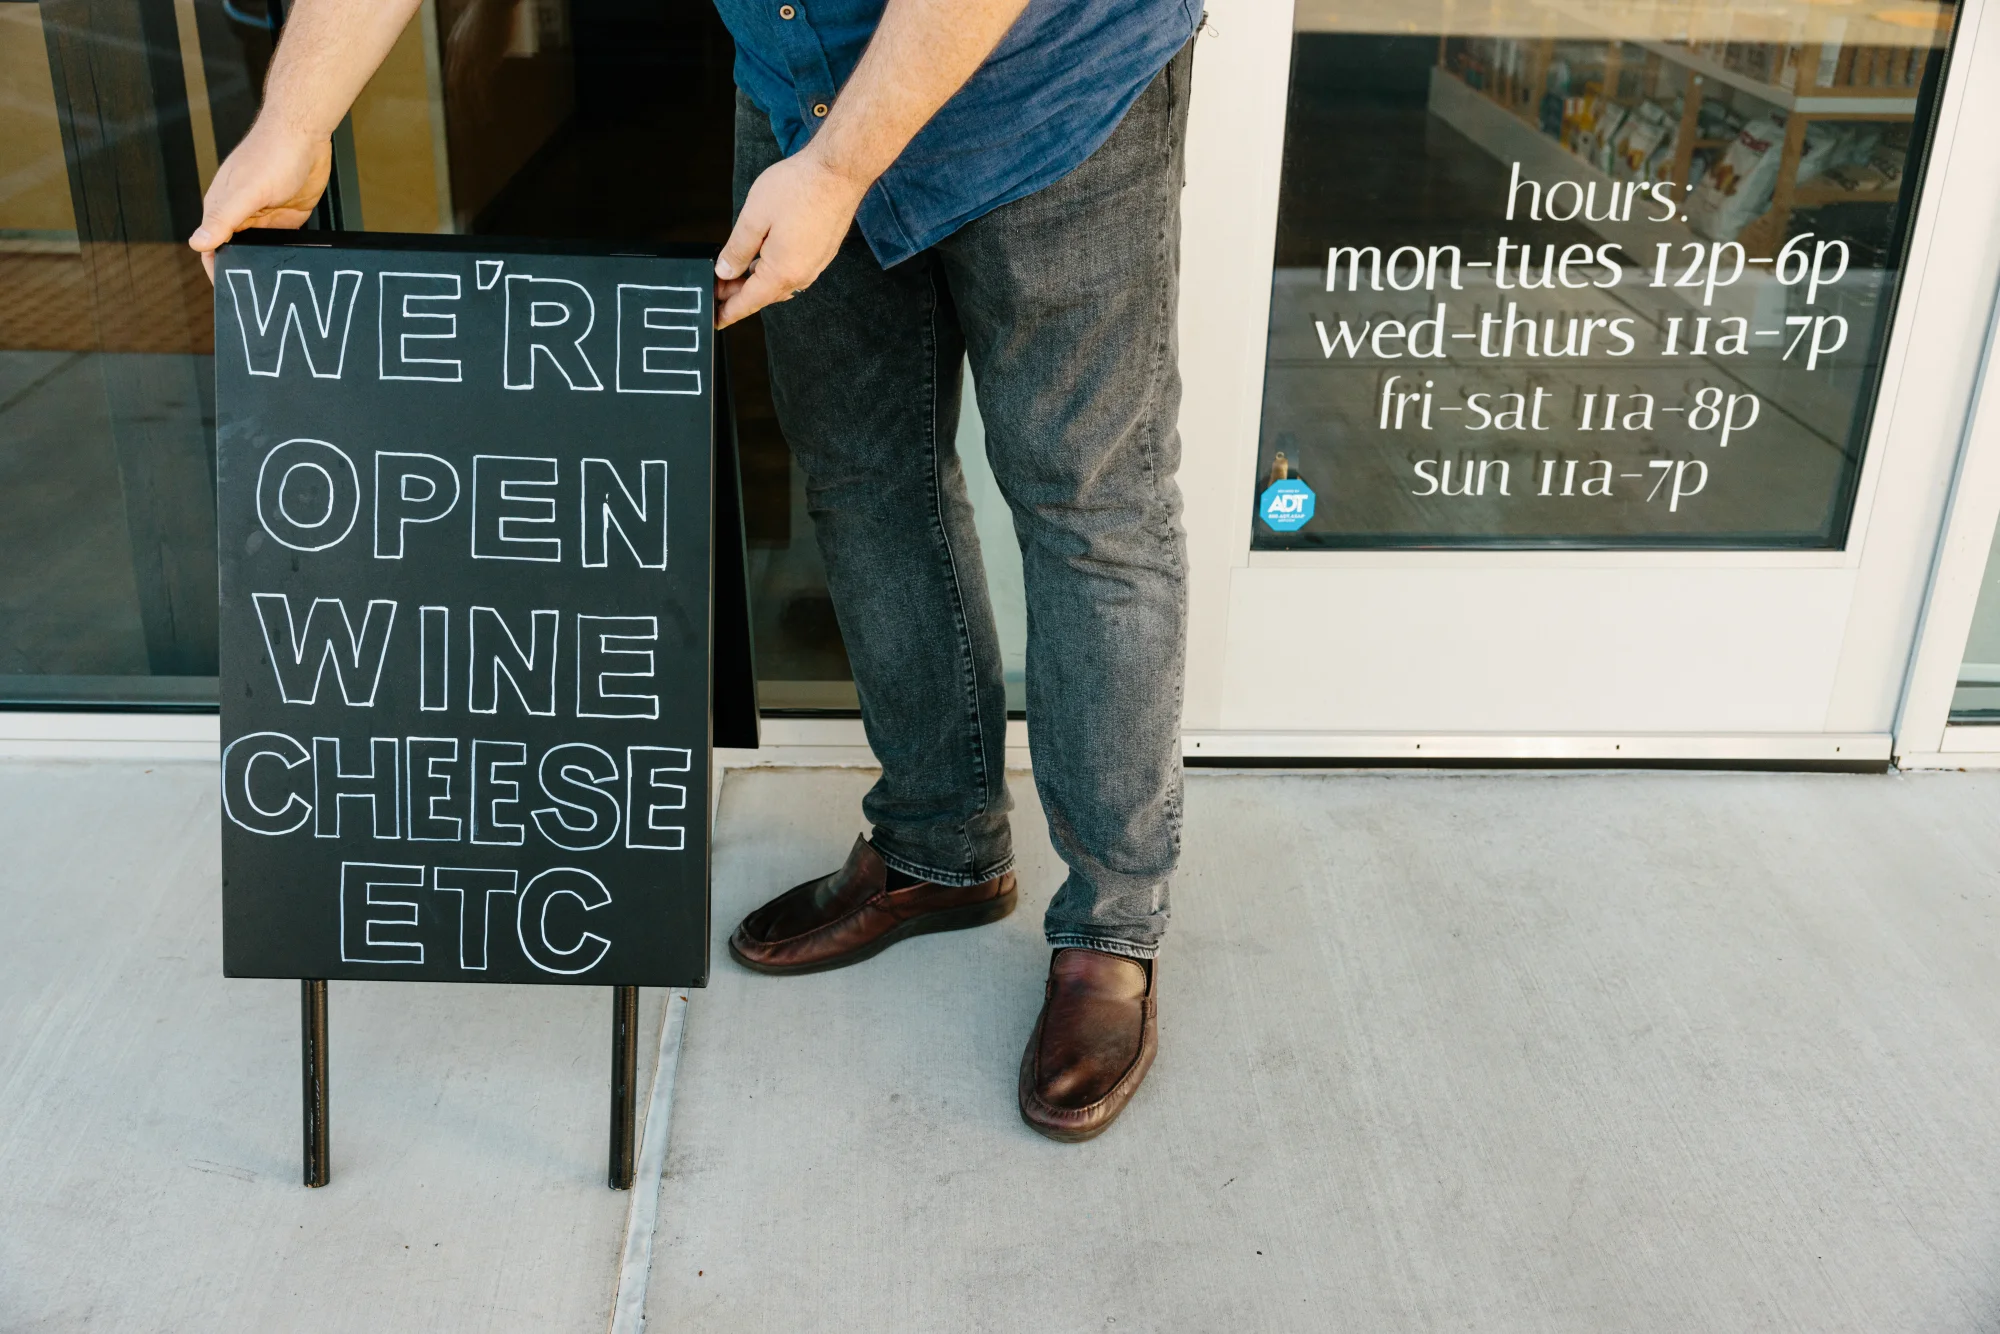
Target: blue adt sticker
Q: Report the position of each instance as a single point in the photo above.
(1286, 506)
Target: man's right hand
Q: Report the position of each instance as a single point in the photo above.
(327, 52)
(272, 179)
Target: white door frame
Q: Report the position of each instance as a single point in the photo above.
(1933, 360)
(1926, 738)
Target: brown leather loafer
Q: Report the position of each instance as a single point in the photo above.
(1093, 1044)
(853, 915)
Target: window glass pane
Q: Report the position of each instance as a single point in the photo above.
(115, 116)
(1552, 273)
(614, 119)
(1977, 699)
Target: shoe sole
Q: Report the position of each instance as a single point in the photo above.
(945, 919)
(1068, 1136)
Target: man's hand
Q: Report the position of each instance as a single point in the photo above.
(799, 210)
(328, 50)
(273, 179)
(792, 224)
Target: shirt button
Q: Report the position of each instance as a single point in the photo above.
(819, 108)
(787, 13)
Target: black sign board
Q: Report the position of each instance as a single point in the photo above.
(468, 503)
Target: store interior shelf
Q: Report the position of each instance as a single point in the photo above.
(1851, 102)
(1838, 99)
(1800, 82)
(1814, 194)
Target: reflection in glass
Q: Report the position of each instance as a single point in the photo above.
(115, 116)
(1556, 272)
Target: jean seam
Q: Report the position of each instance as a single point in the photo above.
(969, 670)
(1169, 213)
(1163, 322)
(1073, 940)
(953, 879)
(1159, 523)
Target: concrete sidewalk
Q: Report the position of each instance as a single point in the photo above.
(149, 1107)
(1661, 1052)
(1589, 1052)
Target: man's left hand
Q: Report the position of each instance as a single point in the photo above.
(791, 227)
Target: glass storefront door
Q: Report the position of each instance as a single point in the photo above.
(589, 119)
(1574, 414)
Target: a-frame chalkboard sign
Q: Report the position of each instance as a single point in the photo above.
(482, 586)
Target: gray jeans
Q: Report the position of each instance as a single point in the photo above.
(1064, 302)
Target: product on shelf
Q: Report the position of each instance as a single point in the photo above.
(1555, 88)
(1716, 120)
(1826, 146)
(1611, 118)
(1737, 189)
(1588, 124)
(1872, 162)
(1643, 148)
(1741, 186)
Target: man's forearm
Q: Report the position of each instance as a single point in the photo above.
(273, 178)
(329, 51)
(922, 52)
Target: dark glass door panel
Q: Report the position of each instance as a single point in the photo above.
(1616, 275)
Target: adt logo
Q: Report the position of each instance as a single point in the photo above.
(1286, 506)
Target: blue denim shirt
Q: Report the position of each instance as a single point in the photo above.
(1051, 93)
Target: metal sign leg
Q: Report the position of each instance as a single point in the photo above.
(312, 1051)
(624, 1085)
